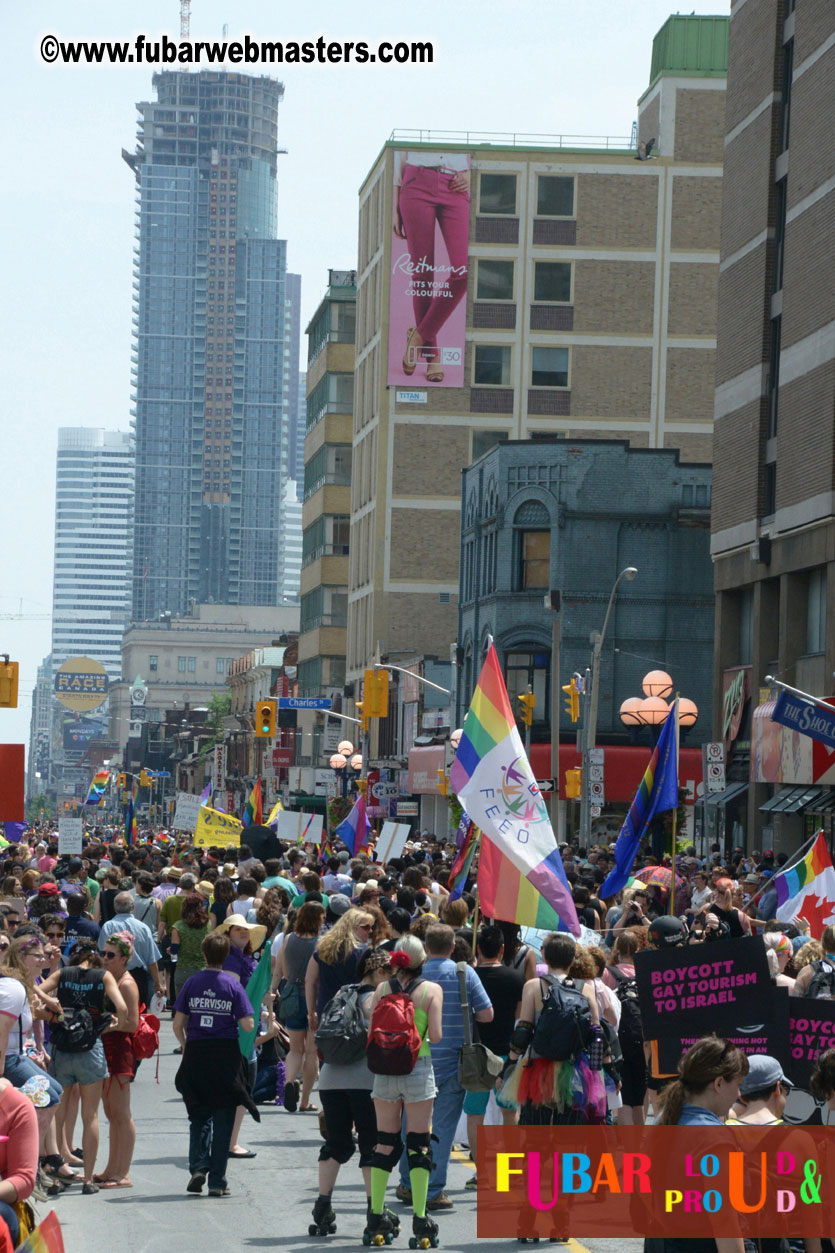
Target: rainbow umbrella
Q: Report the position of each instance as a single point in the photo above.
(662, 876)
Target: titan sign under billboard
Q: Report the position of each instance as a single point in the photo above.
(429, 258)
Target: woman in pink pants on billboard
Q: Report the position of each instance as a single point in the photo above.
(432, 188)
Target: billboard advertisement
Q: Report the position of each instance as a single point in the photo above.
(429, 259)
(81, 684)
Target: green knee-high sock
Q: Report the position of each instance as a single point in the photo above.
(379, 1183)
(420, 1189)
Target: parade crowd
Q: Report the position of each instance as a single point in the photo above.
(352, 991)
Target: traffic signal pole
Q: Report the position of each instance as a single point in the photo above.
(556, 633)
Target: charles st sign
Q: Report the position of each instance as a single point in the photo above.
(804, 716)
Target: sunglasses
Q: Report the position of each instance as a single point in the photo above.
(55, 935)
(365, 926)
(109, 956)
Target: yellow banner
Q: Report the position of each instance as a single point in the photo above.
(215, 828)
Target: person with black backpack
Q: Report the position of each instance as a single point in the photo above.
(345, 1084)
(817, 979)
(620, 976)
(555, 1068)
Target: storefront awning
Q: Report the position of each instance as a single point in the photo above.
(794, 800)
(731, 792)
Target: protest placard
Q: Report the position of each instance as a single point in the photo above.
(70, 835)
(215, 828)
(712, 986)
(769, 1034)
(392, 838)
(186, 812)
(299, 828)
(811, 1031)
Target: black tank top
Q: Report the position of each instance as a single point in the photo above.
(730, 917)
(81, 989)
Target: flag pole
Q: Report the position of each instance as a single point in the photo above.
(675, 818)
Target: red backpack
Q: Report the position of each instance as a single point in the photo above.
(393, 1039)
(146, 1036)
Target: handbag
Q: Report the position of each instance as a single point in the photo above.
(478, 1066)
(292, 1003)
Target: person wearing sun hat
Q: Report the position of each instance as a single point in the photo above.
(245, 939)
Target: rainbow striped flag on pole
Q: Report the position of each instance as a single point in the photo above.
(807, 889)
(98, 787)
(657, 792)
(520, 873)
(463, 862)
(253, 811)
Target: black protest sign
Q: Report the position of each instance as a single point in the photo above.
(811, 1031)
(713, 986)
(769, 1034)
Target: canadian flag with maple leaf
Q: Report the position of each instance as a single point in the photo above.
(807, 889)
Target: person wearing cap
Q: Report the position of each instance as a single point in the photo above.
(762, 1093)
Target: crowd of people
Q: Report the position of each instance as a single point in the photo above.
(288, 978)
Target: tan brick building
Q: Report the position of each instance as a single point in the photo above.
(609, 260)
(773, 521)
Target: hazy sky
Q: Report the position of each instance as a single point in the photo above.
(68, 198)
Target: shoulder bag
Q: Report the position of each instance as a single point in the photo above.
(478, 1066)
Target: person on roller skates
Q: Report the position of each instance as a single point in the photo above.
(406, 1016)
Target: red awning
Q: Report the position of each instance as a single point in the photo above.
(624, 766)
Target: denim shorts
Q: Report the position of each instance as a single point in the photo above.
(82, 1068)
(19, 1069)
(418, 1085)
(296, 1024)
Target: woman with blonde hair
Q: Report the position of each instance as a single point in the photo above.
(335, 960)
(412, 1094)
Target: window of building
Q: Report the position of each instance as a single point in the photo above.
(491, 367)
(769, 489)
(220, 665)
(549, 367)
(497, 194)
(780, 233)
(774, 375)
(534, 560)
(552, 281)
(495, 280)
(529, 669)
(554, 196)
(816, 612)
(785, 111)
(192, 665)
(153, 662)
(181, 665)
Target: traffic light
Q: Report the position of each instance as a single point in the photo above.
(443, 783)
(145, 779)
(528, 705)
(8, 683)
(574, 783)
(265, 715)
(572, 699)
(122, 782)
(362, 786)
(365, 718)
(375, 693)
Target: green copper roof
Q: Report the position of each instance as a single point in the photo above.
(695, 46)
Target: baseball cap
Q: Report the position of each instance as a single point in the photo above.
(763, 1072)
(49, 889)
(338, 904)
(667, 931)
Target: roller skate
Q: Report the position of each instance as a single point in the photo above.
(389, 1213)
(324, 1218)
(380, 1228)
(424, 1234)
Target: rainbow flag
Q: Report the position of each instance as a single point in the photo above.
(253, 811)
(463, 862)
(98, 787)
(353, 830)
(807, 889)
(657, 791)
(206, 794)
(520, 874)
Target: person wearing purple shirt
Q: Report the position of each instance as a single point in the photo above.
(245, 939)
(209, 1009)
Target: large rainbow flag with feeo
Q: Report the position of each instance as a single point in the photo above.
(807, 889)
(520, 873)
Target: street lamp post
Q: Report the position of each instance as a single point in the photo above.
(346, 770)
(590, 735)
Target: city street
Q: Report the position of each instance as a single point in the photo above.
(272, 1195)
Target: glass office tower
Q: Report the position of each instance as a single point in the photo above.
(211, 379)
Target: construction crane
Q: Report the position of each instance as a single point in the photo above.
(25, 617)
(185, 19)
